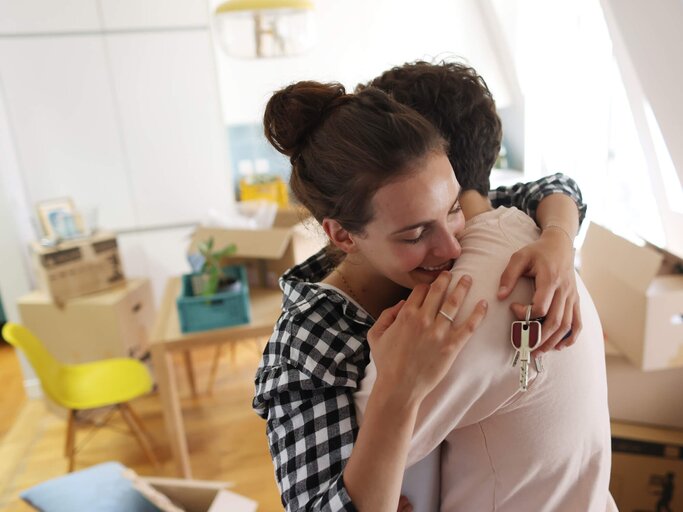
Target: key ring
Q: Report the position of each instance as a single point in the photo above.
(528, 314)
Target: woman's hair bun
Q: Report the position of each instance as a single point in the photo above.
(293, 113)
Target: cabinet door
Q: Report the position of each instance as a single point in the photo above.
(127, 14)
(167, 97)
(31, 16)
(62, 117)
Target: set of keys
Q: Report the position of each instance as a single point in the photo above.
(525, 336)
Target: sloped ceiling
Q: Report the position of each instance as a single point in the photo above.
(648, 38)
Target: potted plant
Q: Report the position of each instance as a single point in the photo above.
(212, 277)
(215, 296)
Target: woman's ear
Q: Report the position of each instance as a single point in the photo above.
(341, 238)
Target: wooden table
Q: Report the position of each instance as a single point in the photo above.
(167, 338)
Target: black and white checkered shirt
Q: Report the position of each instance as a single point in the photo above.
(526, 196)
(315, 360)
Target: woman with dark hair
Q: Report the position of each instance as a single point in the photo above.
(376, 176)
(456, 99)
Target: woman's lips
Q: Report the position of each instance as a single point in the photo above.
(438, 268)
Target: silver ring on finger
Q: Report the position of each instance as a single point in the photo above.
(450, 318)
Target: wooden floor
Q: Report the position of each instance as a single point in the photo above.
(12, 396)
(226, 439)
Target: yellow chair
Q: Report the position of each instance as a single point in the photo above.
(110, 382)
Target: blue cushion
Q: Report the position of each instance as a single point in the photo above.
(99, 488)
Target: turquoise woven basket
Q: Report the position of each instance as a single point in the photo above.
(224, 309)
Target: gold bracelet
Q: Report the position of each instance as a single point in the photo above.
(571, 238)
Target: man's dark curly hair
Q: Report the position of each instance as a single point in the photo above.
(456, 99)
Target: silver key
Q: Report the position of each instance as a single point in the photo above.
(525, 337)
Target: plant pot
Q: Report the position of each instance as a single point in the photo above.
(223, 309)
(199, 282)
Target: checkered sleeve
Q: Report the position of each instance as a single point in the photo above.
(527, 196)
(311, 435)
(304, 389)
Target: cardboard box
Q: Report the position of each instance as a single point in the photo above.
(638, 292)
(112, 486)
(647, 468)
(637, 396)
(201, 496)
(113, 323)
(78, 267)
(266, 253)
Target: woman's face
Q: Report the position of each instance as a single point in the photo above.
(411, 238)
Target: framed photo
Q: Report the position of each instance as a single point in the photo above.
(59, 219)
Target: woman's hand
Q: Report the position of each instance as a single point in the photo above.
(414, 345)
(404, 505)
(550, 261)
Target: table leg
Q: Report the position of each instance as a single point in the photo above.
(170, 401)
(189, 368)
(214, 369)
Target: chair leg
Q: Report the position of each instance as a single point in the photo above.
(70, 446)
(135, 425)
(214, 369)
(134, 416)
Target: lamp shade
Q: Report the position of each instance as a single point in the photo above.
(265, 28)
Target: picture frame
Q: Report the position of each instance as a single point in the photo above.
(59, 218)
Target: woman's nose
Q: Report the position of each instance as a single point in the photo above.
(447, 246)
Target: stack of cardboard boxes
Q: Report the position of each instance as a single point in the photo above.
(85, 309)
(638, 292)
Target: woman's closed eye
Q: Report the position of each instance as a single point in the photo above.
(419, 235)
(415, 239)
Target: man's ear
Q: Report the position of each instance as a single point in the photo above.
(341, 238)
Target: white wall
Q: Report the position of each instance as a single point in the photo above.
(590, 71)
(117, 106)
(114, 103)
(15, 232)
(649, 34)
(648, 42)
(357, 40)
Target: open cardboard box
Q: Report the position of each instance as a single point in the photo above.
(115, 487)
(201, 496)
(266, 253)
(638, 292)
(637, 396)
(647, 468)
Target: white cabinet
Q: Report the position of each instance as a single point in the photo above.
(115, 104)
(52, 16)
(39, 16)
(125, 117)
(167, 96)
(126, 14)
(63, 121)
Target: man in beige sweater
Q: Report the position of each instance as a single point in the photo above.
(546, 449)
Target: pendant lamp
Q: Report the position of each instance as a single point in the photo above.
(265, 28)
